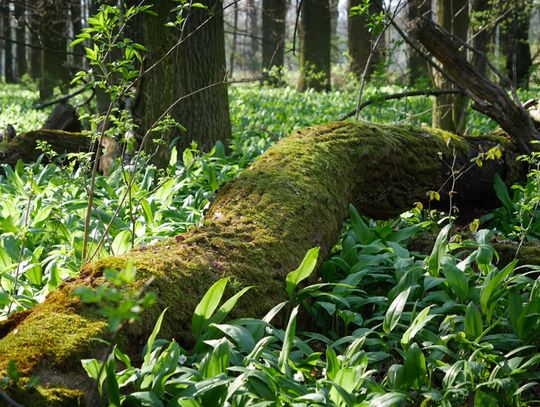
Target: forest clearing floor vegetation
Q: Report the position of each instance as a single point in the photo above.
(383, 325)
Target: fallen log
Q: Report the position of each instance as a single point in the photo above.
(24, 146)
(259, 227)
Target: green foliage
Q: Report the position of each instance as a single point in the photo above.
(417, 337)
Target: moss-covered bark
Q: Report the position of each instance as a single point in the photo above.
(259, 227)
(24, 146)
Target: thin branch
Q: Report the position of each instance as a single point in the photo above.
(401, 95)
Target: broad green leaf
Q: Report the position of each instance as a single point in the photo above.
(332, 363)
(414, 367)
(152, 338)
(393, 314)
(419, 322)
(121, 243)
(493, 281)
(362, 231)
(502, 193)
(227, 306)
(239, 335)
(290, 333)
(438, 252)
(305, 270)
(206, 307)
(473, 322)
(457, 280)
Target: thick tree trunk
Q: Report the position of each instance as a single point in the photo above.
(315, 46)
(449, 110)
(24, 146)
(189, 83)
(20, 8)
(258, 228)
(274, 13)
(360, 41)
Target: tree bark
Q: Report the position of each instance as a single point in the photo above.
(315, 46)
(489, 98)
(481, 33)
(449, 110)
(254, 30)
(20, 9)
(418, 66)
(258, 228)
(9, 73)
(35, 51)
(518, 58)
(52, 16)
(274, 14)
(76, 23)
(189, 83)
(360, 41)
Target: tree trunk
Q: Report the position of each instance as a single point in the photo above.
(232, 56)
(9, 74)
(258, 228)
(20, 9)
(315, 46)
(418, 66)
(254, 31)
(35, 50)
(52, 16)
(360, 40)
(449, 110)
(481, 33)
(518, 58)
(189, 83)
(274, 14)
(76, 22)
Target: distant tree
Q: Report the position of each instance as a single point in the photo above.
(52, 16)
(360, 40)
(252, 16)
(418, 66)
(315, 34)
(274, 13)
(35, 42)
(189, 83)
(9, 74)
(20, 9)
(449, 111)
(518, 56)
(76, 24)
(480, 32)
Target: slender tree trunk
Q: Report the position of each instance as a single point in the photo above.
(20, 9)
(418, 66)
(274, 13)
(9, 73)
(481, 34)
(449, 110)
(315, 46)
(252, 15)
(35, 41)
(518, 58)
(191, 80)
(360, 41)
(76, 21)
(232, 56)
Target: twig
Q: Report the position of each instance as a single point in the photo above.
(61, 99)
(401, 95)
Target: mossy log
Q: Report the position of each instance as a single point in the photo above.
(294, 197)
(24, 146)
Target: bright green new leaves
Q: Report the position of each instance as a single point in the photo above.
(419, 322)
(394, 311)
(305, 270)
(206, 307)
